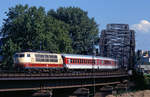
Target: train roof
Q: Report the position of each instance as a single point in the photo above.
(37, 53)
(86, 56)
(71, 55)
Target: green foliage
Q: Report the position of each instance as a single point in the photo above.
(141, 81)
(67, 30)
(83, 30)
(8, 50)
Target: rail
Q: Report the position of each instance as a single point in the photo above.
(34, 75)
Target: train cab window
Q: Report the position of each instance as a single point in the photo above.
(21, 55)
(16, 55)
(28, 55)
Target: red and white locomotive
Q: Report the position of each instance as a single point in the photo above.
(40, 60)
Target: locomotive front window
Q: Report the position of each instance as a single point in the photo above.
(21, 55)
(28, 55)
(16, 55)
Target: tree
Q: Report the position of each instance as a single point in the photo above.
(67, 30)
(83, 30)
(61, 42)
(31, 29)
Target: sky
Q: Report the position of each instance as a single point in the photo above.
(136, 13)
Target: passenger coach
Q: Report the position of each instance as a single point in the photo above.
(88, 62)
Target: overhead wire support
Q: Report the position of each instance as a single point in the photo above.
(93, 67)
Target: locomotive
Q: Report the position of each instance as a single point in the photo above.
(61, 62)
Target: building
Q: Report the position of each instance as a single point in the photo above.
(144, 61)
(118, 41)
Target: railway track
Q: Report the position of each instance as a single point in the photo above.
(93, 74)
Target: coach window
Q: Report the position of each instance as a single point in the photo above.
(72, 60)
(99, 62)
(93, 61)
(78, 60)
(107, 62)
(68, 60)
(75, 60)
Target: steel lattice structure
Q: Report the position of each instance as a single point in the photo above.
(118, 41)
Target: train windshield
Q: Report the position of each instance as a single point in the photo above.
(28, 55)
(19, 55)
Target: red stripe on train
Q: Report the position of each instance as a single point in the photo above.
(29, 65)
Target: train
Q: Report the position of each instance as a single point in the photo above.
(62, 62)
